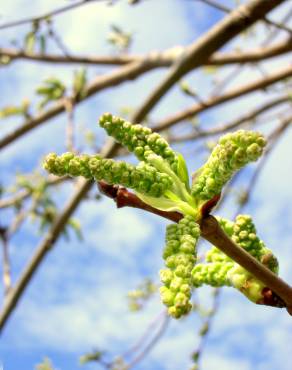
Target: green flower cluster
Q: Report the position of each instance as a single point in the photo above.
(180, 257)
(214, 274)
(161, 180)
(223, 271)
(244, 234)
(233, 151)
(143, 178)
(138, 139)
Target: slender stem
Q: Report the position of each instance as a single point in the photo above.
(114, 78)
(152, 343)
(222, 128)
(261, 83)
(6, 267)
(25, 193)
(220, 34)
(157, 59)
(47, 15)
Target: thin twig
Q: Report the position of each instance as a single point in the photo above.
(237, 70)
(273, 140)
(225, 9)
(197, 54)
(259, 84)
(25, 193)
(124, 73)
(59, 43)
(47, 15)
(205, 328)
(152, 343)
(222, 128)
(140, 342)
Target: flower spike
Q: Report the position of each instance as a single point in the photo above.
(180, 257)
(142, 178)
(232, 152)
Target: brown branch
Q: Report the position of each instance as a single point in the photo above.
(44, 247)
(15, 54)
(141, 340)
(124, 73)
(272, 34)
(256, 55)
(233, 124)
(217, 100)
(49, 241)
(211, 231)
(272, 139)
(239, 68)
(152, 343)
(25, 193)
(216, 5)
(158, 59)
(205, 327)
(198, 53)
(225, 9)
(47, 15)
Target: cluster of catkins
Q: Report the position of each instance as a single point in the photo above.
(161, 180)
(220, 270)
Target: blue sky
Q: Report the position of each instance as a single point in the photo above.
(76, 301)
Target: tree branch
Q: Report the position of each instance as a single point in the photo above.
(124, 73)
(220, 129)
(225, 9)
(217, 100)
(50, 14)
(25, 193)
(197, 54)
(157, 59)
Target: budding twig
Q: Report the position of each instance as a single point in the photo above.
(279, 293)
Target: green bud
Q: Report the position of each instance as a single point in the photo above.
(180, 257)
(144, 178)
(138, 139)
(233, 151)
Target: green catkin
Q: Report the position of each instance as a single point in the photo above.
(233, 151)
(180, 256)
(143, 178)
(138, 139)
(244, 234)
(223, 271)
(214, 274)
